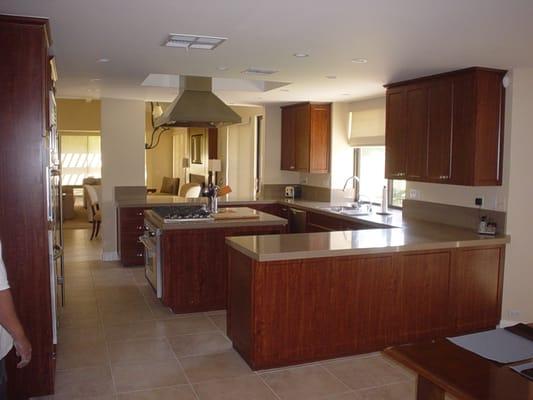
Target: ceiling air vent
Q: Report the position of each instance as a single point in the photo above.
(187, 42)
(259, 71)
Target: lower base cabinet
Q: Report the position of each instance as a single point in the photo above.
(195, 266)
(295, 311)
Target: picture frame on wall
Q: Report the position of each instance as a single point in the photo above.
(197, 149)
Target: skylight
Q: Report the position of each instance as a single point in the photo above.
(187, 42)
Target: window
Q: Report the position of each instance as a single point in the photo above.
(80, 158)
(369, 166)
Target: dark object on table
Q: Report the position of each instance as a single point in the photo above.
(522, 330)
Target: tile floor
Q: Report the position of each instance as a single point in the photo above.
(116, 341)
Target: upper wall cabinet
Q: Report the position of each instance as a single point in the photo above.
(306, 137)
(446, 128)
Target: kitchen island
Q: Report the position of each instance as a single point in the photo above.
(304, 297)
(192, 256)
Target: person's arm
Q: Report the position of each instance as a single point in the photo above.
(10, 321)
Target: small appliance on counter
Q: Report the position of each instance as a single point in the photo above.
(486, 227)
(293, 192)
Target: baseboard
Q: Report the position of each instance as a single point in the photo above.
(110, 256)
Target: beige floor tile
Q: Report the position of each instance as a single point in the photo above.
(80, 335)
(91, 324)
(80, 355)
(361, 373)
(147, 376)
(140, 351)
(127, 314)
(395, 391)
(249, 387)
(312, 382)
(215, 312)
(134, 330)
(200, 344)
(70, 397)
(220, 322)
(173, 393)
(187, 325)
(160, 311)
(214, 366)
(95, 381)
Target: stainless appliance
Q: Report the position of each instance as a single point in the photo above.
(52, 170)
(197, 106)
(183, 213)
(151, 240)
(297, 221)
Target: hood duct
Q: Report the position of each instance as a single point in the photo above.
(197, 106)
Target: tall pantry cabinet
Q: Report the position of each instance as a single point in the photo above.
(24, 222)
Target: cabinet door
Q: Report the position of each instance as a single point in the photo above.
(320, 137)
(395, 134)
(463, 139)
(288, 159)
(302, 116)
(439, 150)
(417, 124)
(476, 288)
(424, 283)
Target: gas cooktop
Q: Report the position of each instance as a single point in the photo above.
(183, 213)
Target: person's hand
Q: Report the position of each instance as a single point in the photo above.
(23, 350)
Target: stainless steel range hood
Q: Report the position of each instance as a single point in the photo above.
(197, 106)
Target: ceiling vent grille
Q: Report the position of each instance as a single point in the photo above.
(199, 42)
(259, 71)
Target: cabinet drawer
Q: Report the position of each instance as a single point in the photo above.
(135, 213)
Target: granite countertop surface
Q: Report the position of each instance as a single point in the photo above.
(262, 219)
(413, 235)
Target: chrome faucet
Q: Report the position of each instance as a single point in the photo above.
(356, 195)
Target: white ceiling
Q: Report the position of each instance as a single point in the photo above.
(400, 39)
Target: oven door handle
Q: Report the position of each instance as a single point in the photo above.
(147, 243)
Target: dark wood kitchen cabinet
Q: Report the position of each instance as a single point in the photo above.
(130, 225)
(26, 81)
(306, 137)
(446, 128)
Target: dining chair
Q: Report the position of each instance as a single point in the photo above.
(190, 190)
(96, 218)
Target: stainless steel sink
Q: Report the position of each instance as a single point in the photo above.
(347, 210)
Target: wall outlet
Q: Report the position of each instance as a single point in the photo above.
(478, 201)
(414, 194)
(515, 315)
(304, 181)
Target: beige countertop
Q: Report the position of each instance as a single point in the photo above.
(414, 235)
(261, 219)
(167, 200)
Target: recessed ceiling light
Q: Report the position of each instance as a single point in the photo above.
(284, 90)
(301, 55)
(103, 60)
(222, 68)
(199, 42)
(331, 77)
(359, 60)
(95, 79)
(346, 94)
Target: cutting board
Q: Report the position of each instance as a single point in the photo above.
(235, 213)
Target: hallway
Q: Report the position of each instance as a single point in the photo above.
(117, 342)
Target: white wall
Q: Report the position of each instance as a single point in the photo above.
(272, 174)
(123, 133)
(518, 281)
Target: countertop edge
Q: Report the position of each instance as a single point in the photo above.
(309, 254)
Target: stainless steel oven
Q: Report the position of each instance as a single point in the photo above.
(152, 257)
